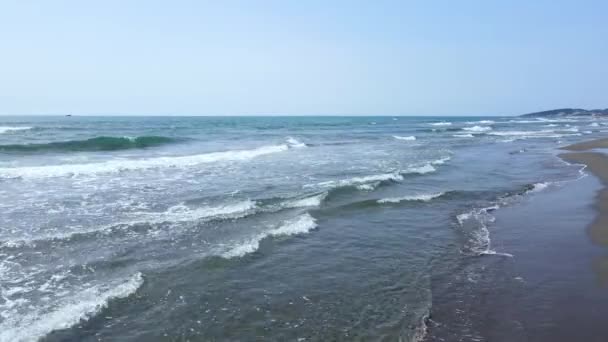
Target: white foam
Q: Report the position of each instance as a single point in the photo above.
(480, 237)
(182, 213)
(539, 187)
(441, 123)
(428, 168)
(312, 201)
(410, 138)
(477, 129)
(367, 187)
(295, 143)
(136, 164)
(595, 124)
(361, 180)
(299, 225)
(419, 197)
(84, 305)
(463, 135)
(5, 129)
(441, 161)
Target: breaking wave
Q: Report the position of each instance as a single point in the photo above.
(420, 197)
(137, 164)
(6, 129)
(477, 129)
(84, 305)
(93, 144)
(410, 138)
(299, 225)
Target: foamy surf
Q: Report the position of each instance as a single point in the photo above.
(443, 123)
(137, 164)
(69, 311)
(463, 135)
(299, 225)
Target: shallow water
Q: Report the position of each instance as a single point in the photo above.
(270, 228)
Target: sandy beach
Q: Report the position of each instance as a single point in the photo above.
(597, 163)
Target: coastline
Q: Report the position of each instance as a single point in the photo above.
(597, 164)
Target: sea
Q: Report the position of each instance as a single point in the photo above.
(268, 228)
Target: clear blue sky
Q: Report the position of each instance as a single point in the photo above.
(302, 57)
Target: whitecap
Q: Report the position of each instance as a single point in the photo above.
(477, 129)
(409, 138)
(299, 225)
(428, 168)
(595, 124)
(295, 143)
(537, 187)
(463, 135)
(419, 197)
(443, 123)
(5, 129)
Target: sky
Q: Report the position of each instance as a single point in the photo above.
(302, 57)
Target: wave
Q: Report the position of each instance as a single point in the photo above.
(475, 222)
(463, 135)
(312, 201)
(113, 166)
(372, 181)
(420, 197)
(595, 124)
(299, 225)
(6, 129)
(444, 123)
(93, 144)
(477, 129)
(182, 213)
(71, 311)
(356, 181)
(410, 138)
(537, 187)
(295, 143)
(480, 122)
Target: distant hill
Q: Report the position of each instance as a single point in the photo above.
(568, 112)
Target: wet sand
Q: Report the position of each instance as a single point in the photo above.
(587, 145)
(597, 163)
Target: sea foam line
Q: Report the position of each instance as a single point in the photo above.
(128, 165)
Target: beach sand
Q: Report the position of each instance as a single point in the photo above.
(597, 163)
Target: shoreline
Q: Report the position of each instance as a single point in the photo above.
(597, 164)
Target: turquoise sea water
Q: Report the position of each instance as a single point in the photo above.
(257, 228)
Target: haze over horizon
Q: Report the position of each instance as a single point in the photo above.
(313, 58)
